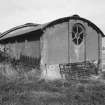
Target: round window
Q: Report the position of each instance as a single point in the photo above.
(78, 31)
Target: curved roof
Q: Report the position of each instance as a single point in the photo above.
(74, 17)
(22, 29)
(29, 27)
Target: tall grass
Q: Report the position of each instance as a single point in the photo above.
(19, 86)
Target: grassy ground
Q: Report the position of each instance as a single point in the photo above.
(40, 92)
(25, 88)
(21, 86)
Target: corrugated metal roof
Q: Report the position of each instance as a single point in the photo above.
(19, 30)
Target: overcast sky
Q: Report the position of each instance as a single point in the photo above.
(17, 12)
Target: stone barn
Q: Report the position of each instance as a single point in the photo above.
(55, 46)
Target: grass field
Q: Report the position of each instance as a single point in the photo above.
(40, 92)
(23, 87)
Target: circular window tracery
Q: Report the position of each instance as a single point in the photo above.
(78, 31)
